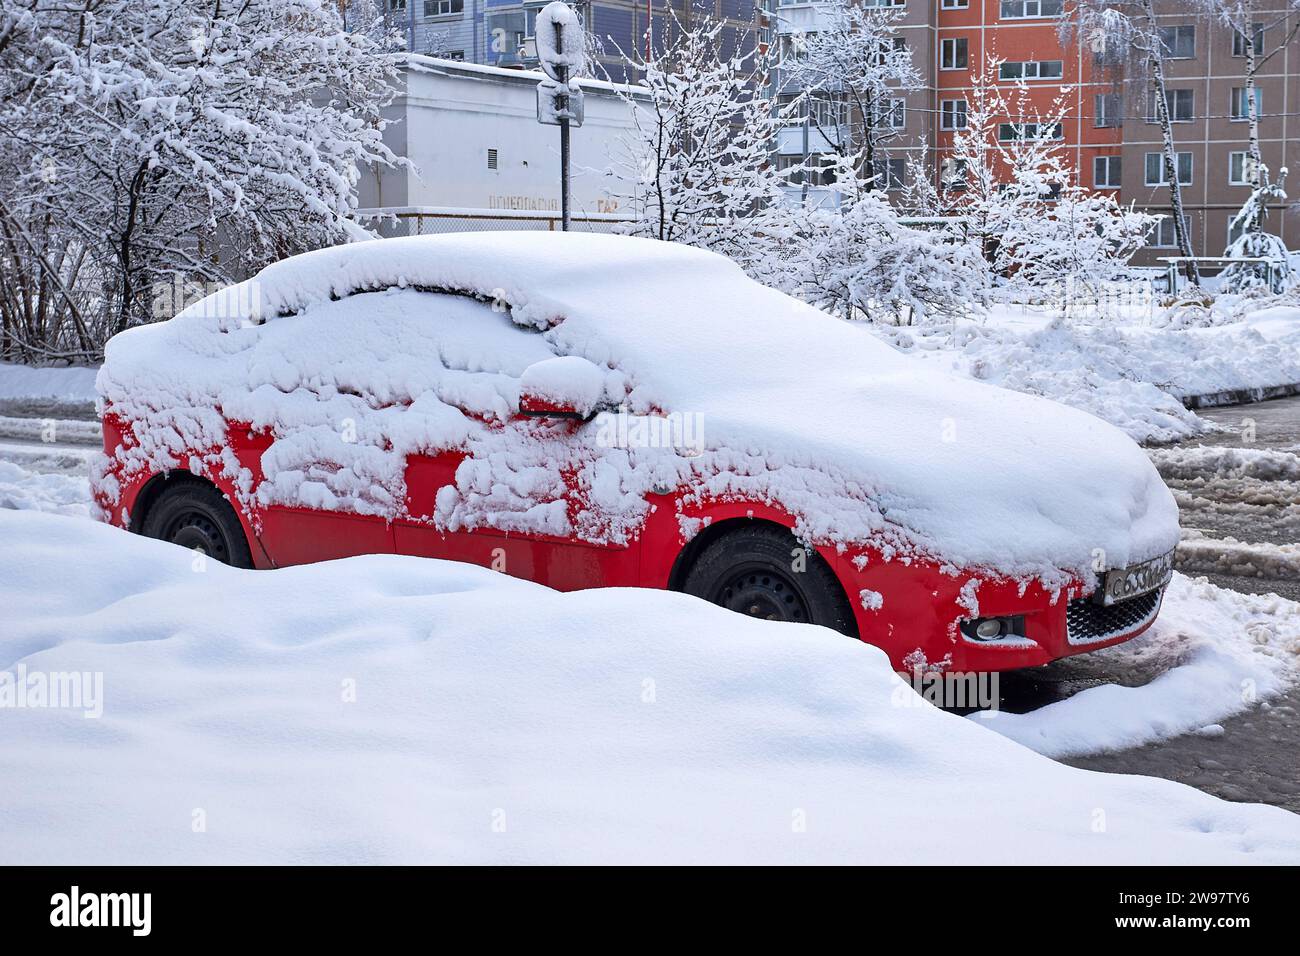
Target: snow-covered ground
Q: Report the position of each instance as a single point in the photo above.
(388, 709)
(1128, 372)
(22, 383)
(1216, 652)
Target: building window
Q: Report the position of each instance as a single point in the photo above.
(1179, 42)
(1106, 172)
(1239, 169)
(818, 169)
(953, 53)
(397, 5)
(1031, 70)
(790, 117)
(1011, 132)
(492, 159)
(890, 173)
(1239, 41)
(952, 174)
(1155, 169)
(955, 4)
(883, 3)
(827, 113)
(1236, 229)
(1240, 105)
(1164, 236)
(896, 44)
(1107, 110)
(1024, 9)
(891, 113)
(952, 114)
(443, 8)
(1180, 104)
(794, 46)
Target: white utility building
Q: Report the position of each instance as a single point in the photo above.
(483, 161)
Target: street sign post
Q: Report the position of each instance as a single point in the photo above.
(559, 100)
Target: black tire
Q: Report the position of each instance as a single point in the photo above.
(195, 515)
(751, 570)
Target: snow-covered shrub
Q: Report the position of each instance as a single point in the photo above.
(1254, 243)
(164, 139)
(861, 261)
(1016, 189)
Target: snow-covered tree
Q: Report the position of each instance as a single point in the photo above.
(146, 143)
(1253, 241)
(1002, 168)
(697, 165)
(1126, 35)
(860, 261)
(857, 64)
(1018, 195)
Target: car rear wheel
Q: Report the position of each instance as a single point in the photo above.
(756, 572)
(198, 517)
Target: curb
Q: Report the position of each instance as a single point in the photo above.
(1239, 396)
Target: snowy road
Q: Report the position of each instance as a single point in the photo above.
(1238, 493)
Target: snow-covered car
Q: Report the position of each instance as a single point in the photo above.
(588, 411)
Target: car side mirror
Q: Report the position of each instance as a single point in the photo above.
(567, 386)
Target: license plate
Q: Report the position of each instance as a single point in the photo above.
(1137, 579)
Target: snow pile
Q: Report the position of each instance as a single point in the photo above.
(23, 489)
(351, 369)
(22, 382)
(1132, 376)
(1218, 652)
(1203, 462)
(1200, 552)
(394, 710)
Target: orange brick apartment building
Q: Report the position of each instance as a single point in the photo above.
(1106, 130)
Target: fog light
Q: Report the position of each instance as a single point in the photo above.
(988, 629)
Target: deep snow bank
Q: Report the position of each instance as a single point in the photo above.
(352, 369)
(390, 709)
(24, 383)
(1130, 375)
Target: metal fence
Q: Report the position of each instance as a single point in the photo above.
(436, 221)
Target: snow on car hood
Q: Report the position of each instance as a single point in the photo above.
(860, 443)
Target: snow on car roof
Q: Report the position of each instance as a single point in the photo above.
(858, 442)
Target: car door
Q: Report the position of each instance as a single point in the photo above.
(563, 562)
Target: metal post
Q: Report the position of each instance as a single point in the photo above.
(563, 103)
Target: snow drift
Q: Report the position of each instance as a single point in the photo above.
(357, 356)
(397, 710)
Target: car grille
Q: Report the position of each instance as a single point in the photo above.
(1087, 622)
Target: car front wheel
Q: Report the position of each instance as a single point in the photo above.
(763, 572)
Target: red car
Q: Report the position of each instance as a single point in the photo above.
(596, 411)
